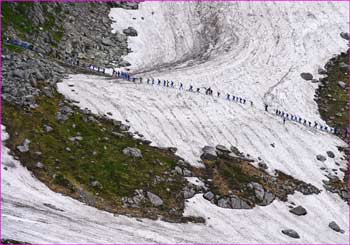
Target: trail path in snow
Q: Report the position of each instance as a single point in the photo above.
(247, 48)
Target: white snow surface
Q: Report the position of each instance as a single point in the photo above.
(256, 50)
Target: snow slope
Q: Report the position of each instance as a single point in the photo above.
(256, 50)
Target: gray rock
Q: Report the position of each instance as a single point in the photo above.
(344, 35)
(291, 233)
(178, 170)
(209, 196)
(132, 152)
(222, 148)
(96, 184)
(334, 226)
(187, 173)
(299, 210)
(330, 154)
(342, 84)
(224, 203)
(189, 192)
(321, 158)
(25, 147)
(237, 203)
(130, 31)
(268, 198)
(107, 41)
(343, 67)
(258, 190)
(209, 153)
(262, 165)
(154, 199)
(306, 76)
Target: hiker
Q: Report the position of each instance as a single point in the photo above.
(228, 96)
(315, 125)
(251, 103)
(233, 98)
(159, 82)
(167, 83)
(282, 114)
(172, 84)
(140, 79)
(304, 122)
(240, 100)
(164, 83)
(299, 120)
(191, 88)
(309, 124)
(198, 90)
(284, 120)
(181, 86)
(266, 106)
(148, 81)
(218, 94)
(287, 115)
(134, 79)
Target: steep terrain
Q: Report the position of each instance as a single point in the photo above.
(254, 50)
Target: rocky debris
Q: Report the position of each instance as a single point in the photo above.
(209, 153)
(172, 149)
(344, 35)
(334, 226)
(178, 170)
(64, 113)
(132, 152)
(299, 210)
(130, 31)
(187, 173)
(264, 198)
(24, 147)
(233, 202)
(291, 233)
(39, 165)
(209, 196)
(342, 84)
(321, 158)
(306, 76)
(307, 189)
(262, 165)
(76, 138)
(154, 199)
(330, 154)
(136, 200)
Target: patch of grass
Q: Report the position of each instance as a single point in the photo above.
(332, 98)
(97, 157)
(12, 48)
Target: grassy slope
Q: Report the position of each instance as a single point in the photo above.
(71, 172)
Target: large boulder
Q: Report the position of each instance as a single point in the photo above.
(209, 153)
(132, 152)
(299, 210)
(130, 31)
(154, 199)
(306, 76)
(291, 233)
(342, 84)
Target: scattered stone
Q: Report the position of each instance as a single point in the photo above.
(187, 173)
(330, 154)
(189, 192)
(334, 226)
(322, 71)
(237, 203)
(291, 233)
(130, 31)
(68, 149)
(25, 147)
(154, 199)
(178, 170)
(96, 184)
(299, 210)
(132, 152)
(262, 165)
(306, 76)
(209, 196)
(321, 158)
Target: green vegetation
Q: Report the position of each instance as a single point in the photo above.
(332, 98)
(12, 48)
(96, 157)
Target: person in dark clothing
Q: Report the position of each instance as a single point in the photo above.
(164, 83)
(140, 79)
(251, 103)
(244, 101)
(277, 112)
(134, 79)
(315, 124)
(198, 90)
(266, 106)
(309, 124)
(148, 81)
(172, 84)
(299, 120)
(240, 100)
(181, 86)
(233, 98)
(167, 83)
(321, 127)
(304, 122)
(218, 94)
(284, 120)
(159, 82)
(191, 88)
(228, 96)
(282, 114)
